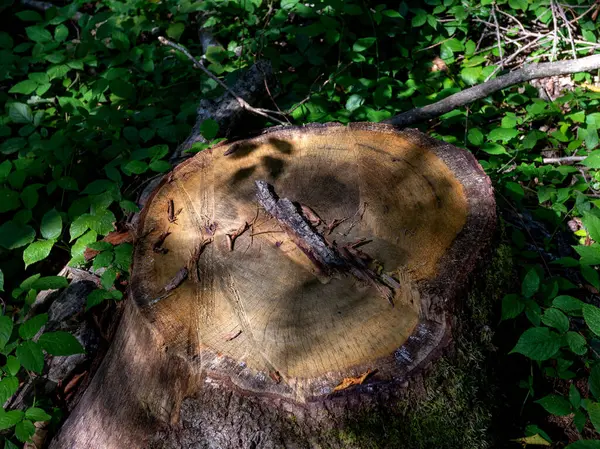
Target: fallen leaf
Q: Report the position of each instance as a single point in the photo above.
(114, 238)
(536, 440)
(351, 381)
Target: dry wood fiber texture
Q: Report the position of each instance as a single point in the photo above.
(254, 317)
(400, 191)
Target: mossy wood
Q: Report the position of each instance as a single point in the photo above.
(278, 266)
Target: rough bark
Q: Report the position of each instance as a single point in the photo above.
(175, 378)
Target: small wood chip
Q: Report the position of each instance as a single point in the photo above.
(232, 335)
(157, 247)
(177, 280)
(351, 381)
(334, 224)
(232, 235)
(171, 211)
(311, 215)
(275, 376)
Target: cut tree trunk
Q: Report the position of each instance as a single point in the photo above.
(284, 284)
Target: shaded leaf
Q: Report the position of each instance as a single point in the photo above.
(60, 343)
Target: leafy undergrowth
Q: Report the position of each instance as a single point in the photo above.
(92, 105)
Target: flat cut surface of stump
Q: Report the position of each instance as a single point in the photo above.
(229, 288)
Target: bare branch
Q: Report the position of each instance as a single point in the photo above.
(243, 103)
(526, 73)
(498, 39)
(562, 160)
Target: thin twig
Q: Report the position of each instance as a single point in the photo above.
(243, 103)
(554, 32)
(563, 16)
(498, 39)
(561, 160)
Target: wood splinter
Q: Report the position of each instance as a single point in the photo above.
(157, 247)
(172, 215)
(192, 264)
(232, 235)
(328, 258)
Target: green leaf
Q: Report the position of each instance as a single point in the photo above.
(503, 134)
(592, 224)
(475, 136)
(363, 44)
(593, 410)
(556, 405)
(6, 327)
(1, 281)
(38, 34)
(61, 33)
(538, 343)
(29, 196)
(12, 145)
(122, 88)
(590, 274)
(108, 278)
(102, 222)
(420, 19)
(12, 365)
(58, 71)
(32, 326)
(531, 283)
(60, 343)
(160, 166)
(568, 304)
(24, 87)
(37, 414)
(591, 314)
(535, 440)
(584, 444)
(97, 297)
(51, 227)
(9, 200)
(209, 129)
(14, 235)
(29, 16)
(31, 356)
(594, 381)
(8, 387)
(24, 430)
(574, 396)
(37, 251)
(175, 30)
(471, 75)
(20, 113)
(555, 318)
(9, 419)
(79, 226)
(512, 306)
(135, 167)
(354, 102)
(576, 343)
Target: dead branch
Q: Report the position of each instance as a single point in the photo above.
(243, 103)
(563, 160)
(467, 96)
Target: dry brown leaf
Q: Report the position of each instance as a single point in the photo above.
(351, 381)
(114, 238)
(438, 65)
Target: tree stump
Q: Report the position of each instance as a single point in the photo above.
(285, 282)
